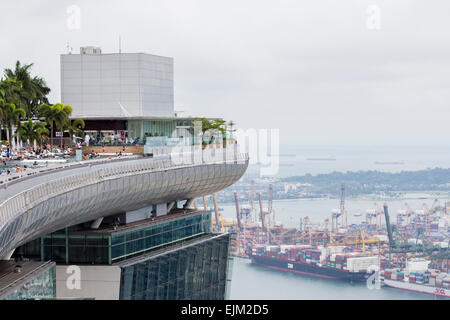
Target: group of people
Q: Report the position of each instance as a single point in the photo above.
(111, 139)
(45, 151)
(96, 155)
(16, 169)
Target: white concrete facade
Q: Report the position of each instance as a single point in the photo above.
(125, 85)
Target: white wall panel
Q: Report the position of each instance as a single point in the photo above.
(140, 81)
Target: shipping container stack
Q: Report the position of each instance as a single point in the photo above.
(430, 277)
(259, 250)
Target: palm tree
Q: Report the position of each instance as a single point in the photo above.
(63, 113)
(219, 125)
(231, 125)
(34, 89)
(9, 91)
(75, 127)
(46, 111)
(57, 115)
(32, 132)
(11, 116)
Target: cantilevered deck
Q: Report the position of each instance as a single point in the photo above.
(41, 203)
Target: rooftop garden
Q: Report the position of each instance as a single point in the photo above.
(26, 115)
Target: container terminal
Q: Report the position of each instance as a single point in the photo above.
(409, 254)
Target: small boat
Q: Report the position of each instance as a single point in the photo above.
(357, 214)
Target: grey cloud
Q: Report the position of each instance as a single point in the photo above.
(312, 68)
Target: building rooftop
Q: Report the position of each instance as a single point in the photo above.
(117, 85)
(109, 229)
(10, 280)
(88, 53)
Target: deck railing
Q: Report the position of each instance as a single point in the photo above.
(26, 198)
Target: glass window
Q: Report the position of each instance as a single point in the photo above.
(153, 237)
(40, 287)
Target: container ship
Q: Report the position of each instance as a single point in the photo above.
(417, 277)
(321, 262)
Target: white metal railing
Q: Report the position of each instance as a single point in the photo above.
(25, 198)
(16, 176)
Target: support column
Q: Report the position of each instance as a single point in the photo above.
(196, 204)
(96, 224)
(205, 203)
(9, 255)
(170, 206)
(188, 203)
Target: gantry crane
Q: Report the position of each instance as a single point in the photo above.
(435, 207)
(342, 207)
(250, 200)
(364, 240)
(336, 213)
(269, 204)
(238, 211)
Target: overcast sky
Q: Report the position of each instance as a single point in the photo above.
(313, 69)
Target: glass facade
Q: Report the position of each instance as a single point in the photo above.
(41, 287)
(31, 249)
(63, 247)
(128, 244)
(185, 261)
(158, 128)
(67, 247)
(135, 129)
(196, 272)
(150, 128)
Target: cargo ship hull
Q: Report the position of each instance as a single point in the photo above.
(415, 287)
(309, 269)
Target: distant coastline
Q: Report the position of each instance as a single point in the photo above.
(390, 162)
(321, 159)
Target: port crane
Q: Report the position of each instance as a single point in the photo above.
(219, 223)
(262, 213)
(218, 226)
(238, 211)
(374, 217)
(342, 206)
(269, 204)
(393, 245)
(364, 241)
(389, 229)
(435, 207)
(250, 199)
(339, 213)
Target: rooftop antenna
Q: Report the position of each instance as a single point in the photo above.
(120, 44)
(69, 48)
